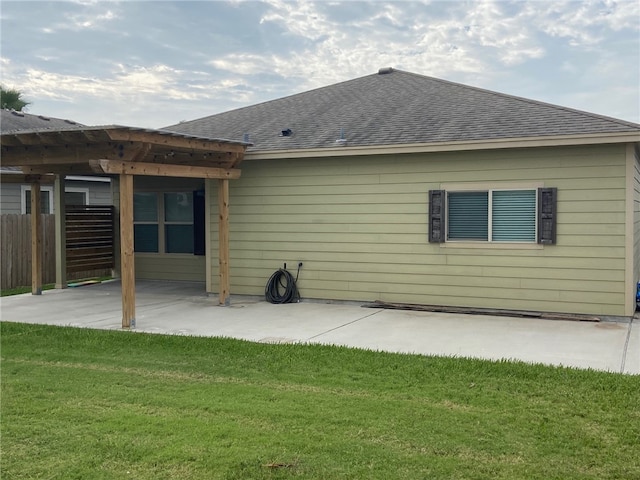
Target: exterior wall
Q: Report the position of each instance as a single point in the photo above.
(11, 201)
(175, 266)
(359, 225)
(636, 216)
(10, 198)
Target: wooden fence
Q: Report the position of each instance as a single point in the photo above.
(15, 250)
(89, 246)
(89, 230)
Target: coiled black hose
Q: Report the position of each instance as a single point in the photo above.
(281, 278)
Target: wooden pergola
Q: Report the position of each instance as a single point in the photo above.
(47, 156)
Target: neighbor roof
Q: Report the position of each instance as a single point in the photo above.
(12, 121)
(394, 107)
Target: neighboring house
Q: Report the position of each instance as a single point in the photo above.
(15, 195)
(404, 188)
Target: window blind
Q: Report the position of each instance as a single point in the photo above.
(468, 215)
(514, 215)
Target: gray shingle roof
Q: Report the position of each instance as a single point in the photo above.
(396, 108)
(12, 121)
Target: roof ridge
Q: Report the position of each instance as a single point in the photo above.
(524, 99)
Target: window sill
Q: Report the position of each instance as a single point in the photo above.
(493, 245)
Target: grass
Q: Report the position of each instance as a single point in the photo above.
(80, 403)
(19, 290)
(49, 286)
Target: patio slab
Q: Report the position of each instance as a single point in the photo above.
(185, 309)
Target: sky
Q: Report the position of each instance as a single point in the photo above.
(154, 64)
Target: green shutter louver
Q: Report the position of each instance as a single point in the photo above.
(513, 216)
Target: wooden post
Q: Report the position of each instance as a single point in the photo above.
(61, 234)
(208, 251)
(223, 240)
(36, 240)
(115, 198)
(127, 266)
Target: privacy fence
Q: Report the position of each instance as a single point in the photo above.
(90, 246)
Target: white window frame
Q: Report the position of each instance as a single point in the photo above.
(79, 190)
(49, 189)
(27, 188)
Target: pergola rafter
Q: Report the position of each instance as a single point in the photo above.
(121, 152)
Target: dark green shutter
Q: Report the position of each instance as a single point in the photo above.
(436, 216)
(199, 246)
(547, 215)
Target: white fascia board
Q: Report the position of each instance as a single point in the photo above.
(84, 178)
(524, 142)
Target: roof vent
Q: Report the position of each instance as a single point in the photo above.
(286, 133)
(342, 140)
(384, 71)
(42, 117)
(17, 114)
(245, 137)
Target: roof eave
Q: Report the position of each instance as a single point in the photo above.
(491, 144)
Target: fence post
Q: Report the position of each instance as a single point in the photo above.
(60, 236)
(36, 240)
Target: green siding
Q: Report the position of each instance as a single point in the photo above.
(170, 267)
(359, 225)
(636, 215)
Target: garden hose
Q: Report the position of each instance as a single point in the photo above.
(282, 279)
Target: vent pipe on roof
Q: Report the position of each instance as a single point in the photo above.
(384, 71)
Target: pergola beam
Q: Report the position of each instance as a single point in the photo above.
(161, 169)
(173, 140)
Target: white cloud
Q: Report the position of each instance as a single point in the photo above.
(584, 23)
(276, 48)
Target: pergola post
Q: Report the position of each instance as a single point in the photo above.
(61, 234)
(223, 240)
(127, 266)
(36, 240)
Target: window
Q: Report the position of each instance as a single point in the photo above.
(72, 196)
(145, 222)
(178, 222)
(517, 215)
(164, 222)
(76, 196)
(46, 199)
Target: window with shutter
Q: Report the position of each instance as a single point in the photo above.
(495, 215)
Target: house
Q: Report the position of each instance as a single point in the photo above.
(405, 188)
(15, 191)
(394, 186)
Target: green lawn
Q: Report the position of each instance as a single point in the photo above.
(87, 404)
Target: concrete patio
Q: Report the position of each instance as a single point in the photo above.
(185, 309)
